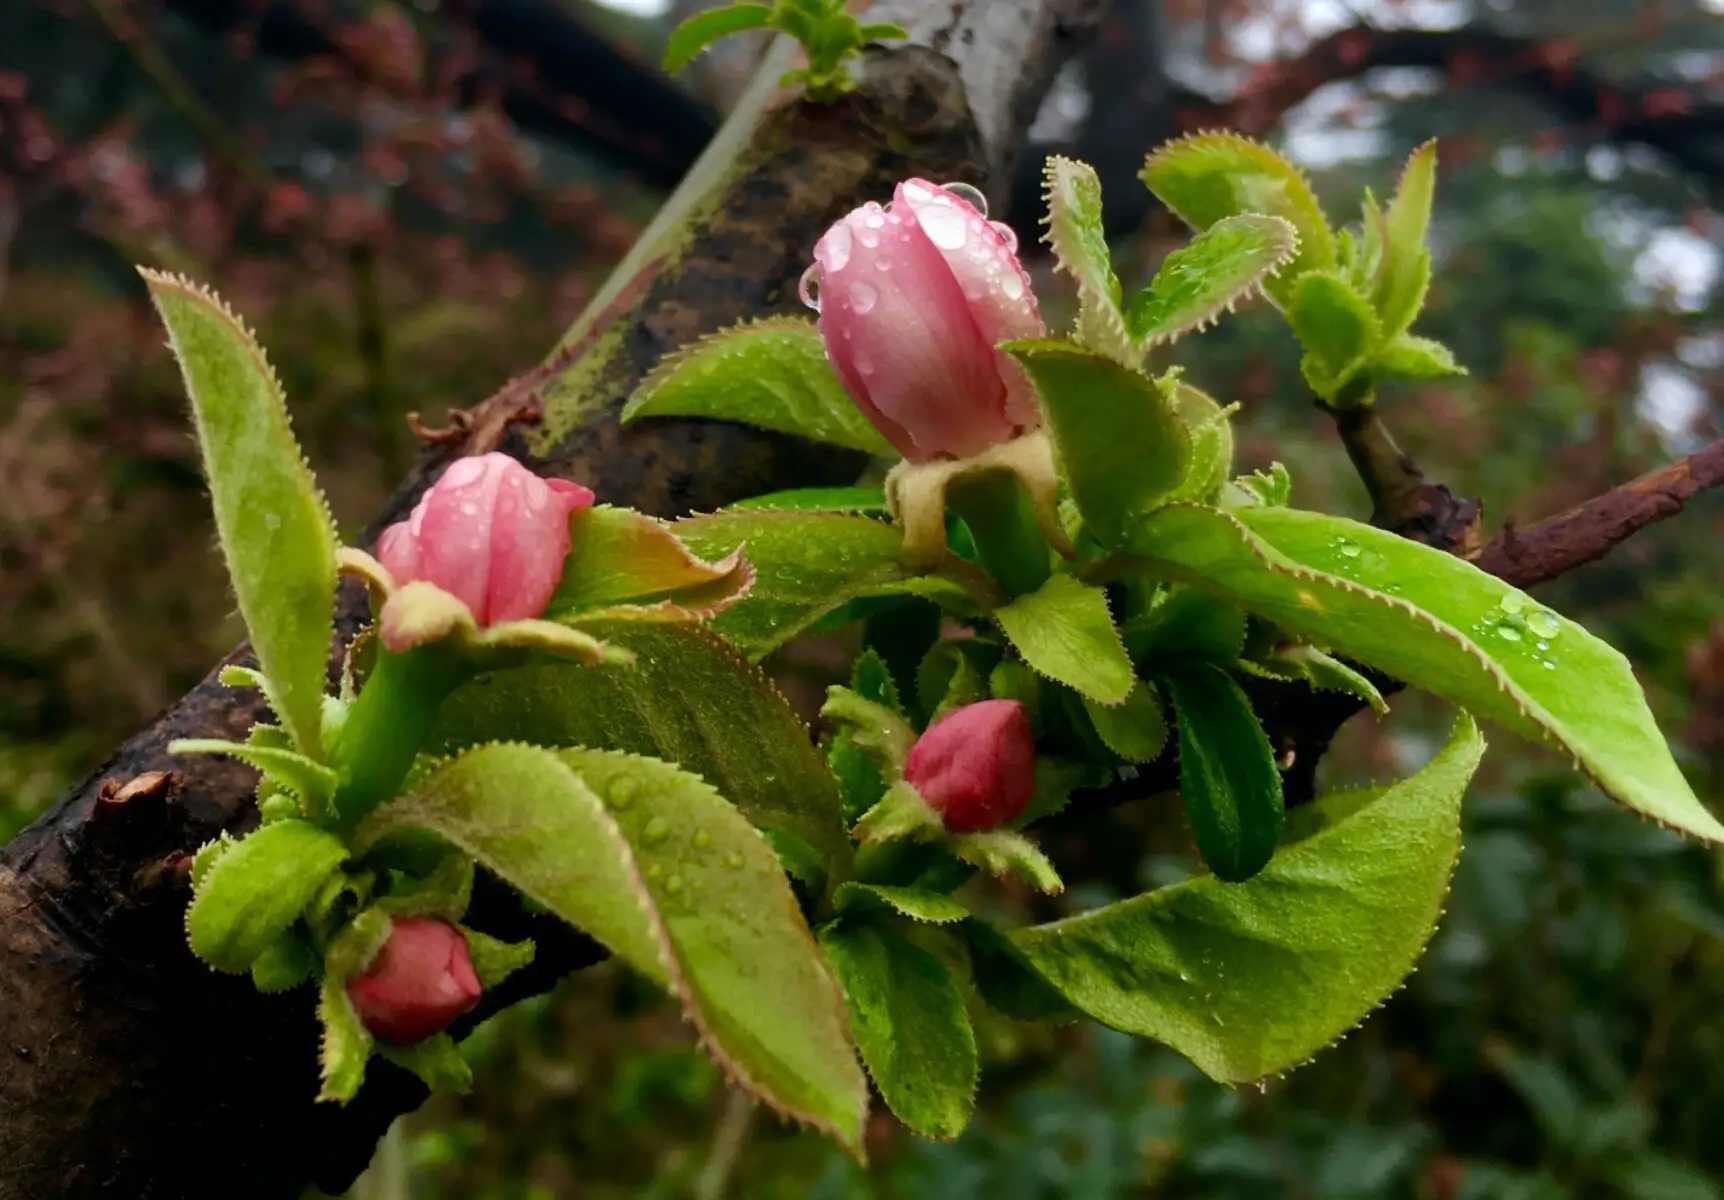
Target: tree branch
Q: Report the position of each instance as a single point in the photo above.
(1587, 532)
(132, 1069)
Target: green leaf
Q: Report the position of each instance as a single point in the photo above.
(494, 960)
(625, 563)
(689, 699)
(1220, 267)
(1227, 772)
(955, 673)
(909, 1020)
(1416, 358)
(1321, 671)
(1329, 929)
(347, 1043)
(807, 566)
(1207, 177)
(1189, 623)
(1121, 442)
(694, 35)
(1405, 271)
(275, 529)
(868, 500)
(1210, 428)
(1440, 624)
(289, 962)
(772, 374)
(882, 31)
(918, 904)
(1004, 979)
(675, 881)
(872, 680)
(1006, 852)
(305, 777)
(436, 1061)
(1079, 242)
(255, 890)
(1135, 730)
(1064, 631)
(1337, 328)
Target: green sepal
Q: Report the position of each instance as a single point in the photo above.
(1007, 852)
(909, 1021)
(772, 374)
(1226, 772)
(1120, 437)
(274, 527)
(436, 1061)
(919, 904)
(625, 564)
(354, 948)
(251, 892)
(1065, 631)
(347, 1044)
(901, 813)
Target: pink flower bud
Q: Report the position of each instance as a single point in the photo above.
(490, 533)
(418, 984)
(976, 766)
(913, 300)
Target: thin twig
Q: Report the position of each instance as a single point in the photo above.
(727, 1145)
(1589, 531)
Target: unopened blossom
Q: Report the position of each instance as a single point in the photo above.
(913, 300)
(489, 532)
(975, 766)
(420, 981)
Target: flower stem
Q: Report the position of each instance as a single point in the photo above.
(1002, 520)
(388, 724)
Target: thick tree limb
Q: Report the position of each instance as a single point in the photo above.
(131, 1069)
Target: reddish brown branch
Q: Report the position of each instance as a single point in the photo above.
(1589, 531)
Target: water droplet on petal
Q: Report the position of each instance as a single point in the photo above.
(970, 195)
(862, 297)
(1013, 286)
(1543, 623)
(1008, 235)
(944, 227)
(882, 264)
(836, 247)
(809, 287)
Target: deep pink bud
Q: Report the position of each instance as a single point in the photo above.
(976, 766)
(418, 984)
(489, 532)
(913, 300)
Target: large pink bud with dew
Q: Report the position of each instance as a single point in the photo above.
(976, 766)
(913, 299)
(420, 981)
(490, 533)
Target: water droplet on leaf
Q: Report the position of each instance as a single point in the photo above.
(1543, 623)
(1513, 603)
(1348, 547)
(673, 885)
(702, 840)
(733, 860)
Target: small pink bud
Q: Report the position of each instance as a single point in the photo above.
(418, 984)
(490, 533)
(913, 300)
(976, 766)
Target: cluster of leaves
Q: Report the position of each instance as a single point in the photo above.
(828, 33)
(1183, 583)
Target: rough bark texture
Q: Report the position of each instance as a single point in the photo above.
(131, 1069)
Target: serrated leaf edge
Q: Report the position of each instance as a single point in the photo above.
(1249, 290)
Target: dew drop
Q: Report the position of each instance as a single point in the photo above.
(1509, 631)
(836, 247)
(1544, 645)
(702, 840)
(869, 235)
(863, 296)
(1543, 623)
(656, 830)
(1549, 665)
(1013, 286)
(875, 218)
(1347, 547)
(864, 365)
(469, 509)
(969, 195)
(622, 793)
(1008, 235)
(882, 263)
(733, 860)
(809, 287)
(944, 226)
(271, 521)
(673, 885)
(653, 872)
(1513, 603)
